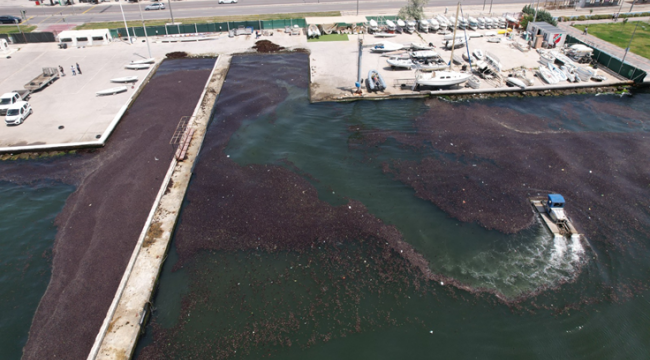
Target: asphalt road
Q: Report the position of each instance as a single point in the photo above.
(110, 11)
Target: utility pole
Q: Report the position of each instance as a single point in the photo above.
(357, 7)
(145, 30)
(453, 41)
(21, 31)
(170, 10)
(125, 27)
(359, 65)
(631, 7)
(628, 46)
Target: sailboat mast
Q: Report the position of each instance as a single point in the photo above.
(453, 41)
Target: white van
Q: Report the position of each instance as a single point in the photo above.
(17, 113)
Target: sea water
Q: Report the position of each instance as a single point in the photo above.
(216, 304)
(27, 232)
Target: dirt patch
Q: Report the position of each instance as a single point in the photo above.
(154, 233)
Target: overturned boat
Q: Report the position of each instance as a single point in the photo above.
(144, 61)
(125, 79)
(112, 91)
(136, 66)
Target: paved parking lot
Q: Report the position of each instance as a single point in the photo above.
(71, 103)
(68, 110)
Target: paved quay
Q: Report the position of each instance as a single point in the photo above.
(67, 113)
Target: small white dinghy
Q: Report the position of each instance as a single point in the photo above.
(384, 35)
(136, 66)
(144, 61)
(112, 91)
(516, 82)
(125, 79)
(478, 54)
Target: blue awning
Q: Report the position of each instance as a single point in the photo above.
(556, 198)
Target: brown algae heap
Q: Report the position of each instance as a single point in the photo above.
(100, 222)
(268, 266)
(493, 159)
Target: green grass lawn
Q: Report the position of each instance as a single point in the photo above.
(212, 19)
(619, 34)
(331, 37)
(13, 29)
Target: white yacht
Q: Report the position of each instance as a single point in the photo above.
(433, 25)
(440, 78)
(481, 22)
(390, 26)
(473, 23)
(424, 25)
(462, 23)
(373, 26)
(399, 62)
(442, 22)
(410, 26)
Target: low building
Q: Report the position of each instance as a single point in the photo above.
(80, 38)
(543, 33)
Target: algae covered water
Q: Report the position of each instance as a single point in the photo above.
(359, 230)
(26, 224)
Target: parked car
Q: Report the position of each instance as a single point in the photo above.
(17, 113)
(8, 19)
(227, 1)
(10, 98)
(155, 6)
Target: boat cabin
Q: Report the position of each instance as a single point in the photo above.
(555, 201)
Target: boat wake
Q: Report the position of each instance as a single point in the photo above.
(523, 267)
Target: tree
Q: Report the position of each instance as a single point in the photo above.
(542, 15)
(414, 9)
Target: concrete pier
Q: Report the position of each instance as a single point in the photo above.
(122, 326)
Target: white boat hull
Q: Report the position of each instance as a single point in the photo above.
(126, 79)
(136, 66)
(144, 61)
(112, 91)
(384, 35)
(516, 82)
(441, 78)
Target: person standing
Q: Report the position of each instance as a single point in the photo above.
(73, 72)
(78, 68)
(61, 70)
(585, 32)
